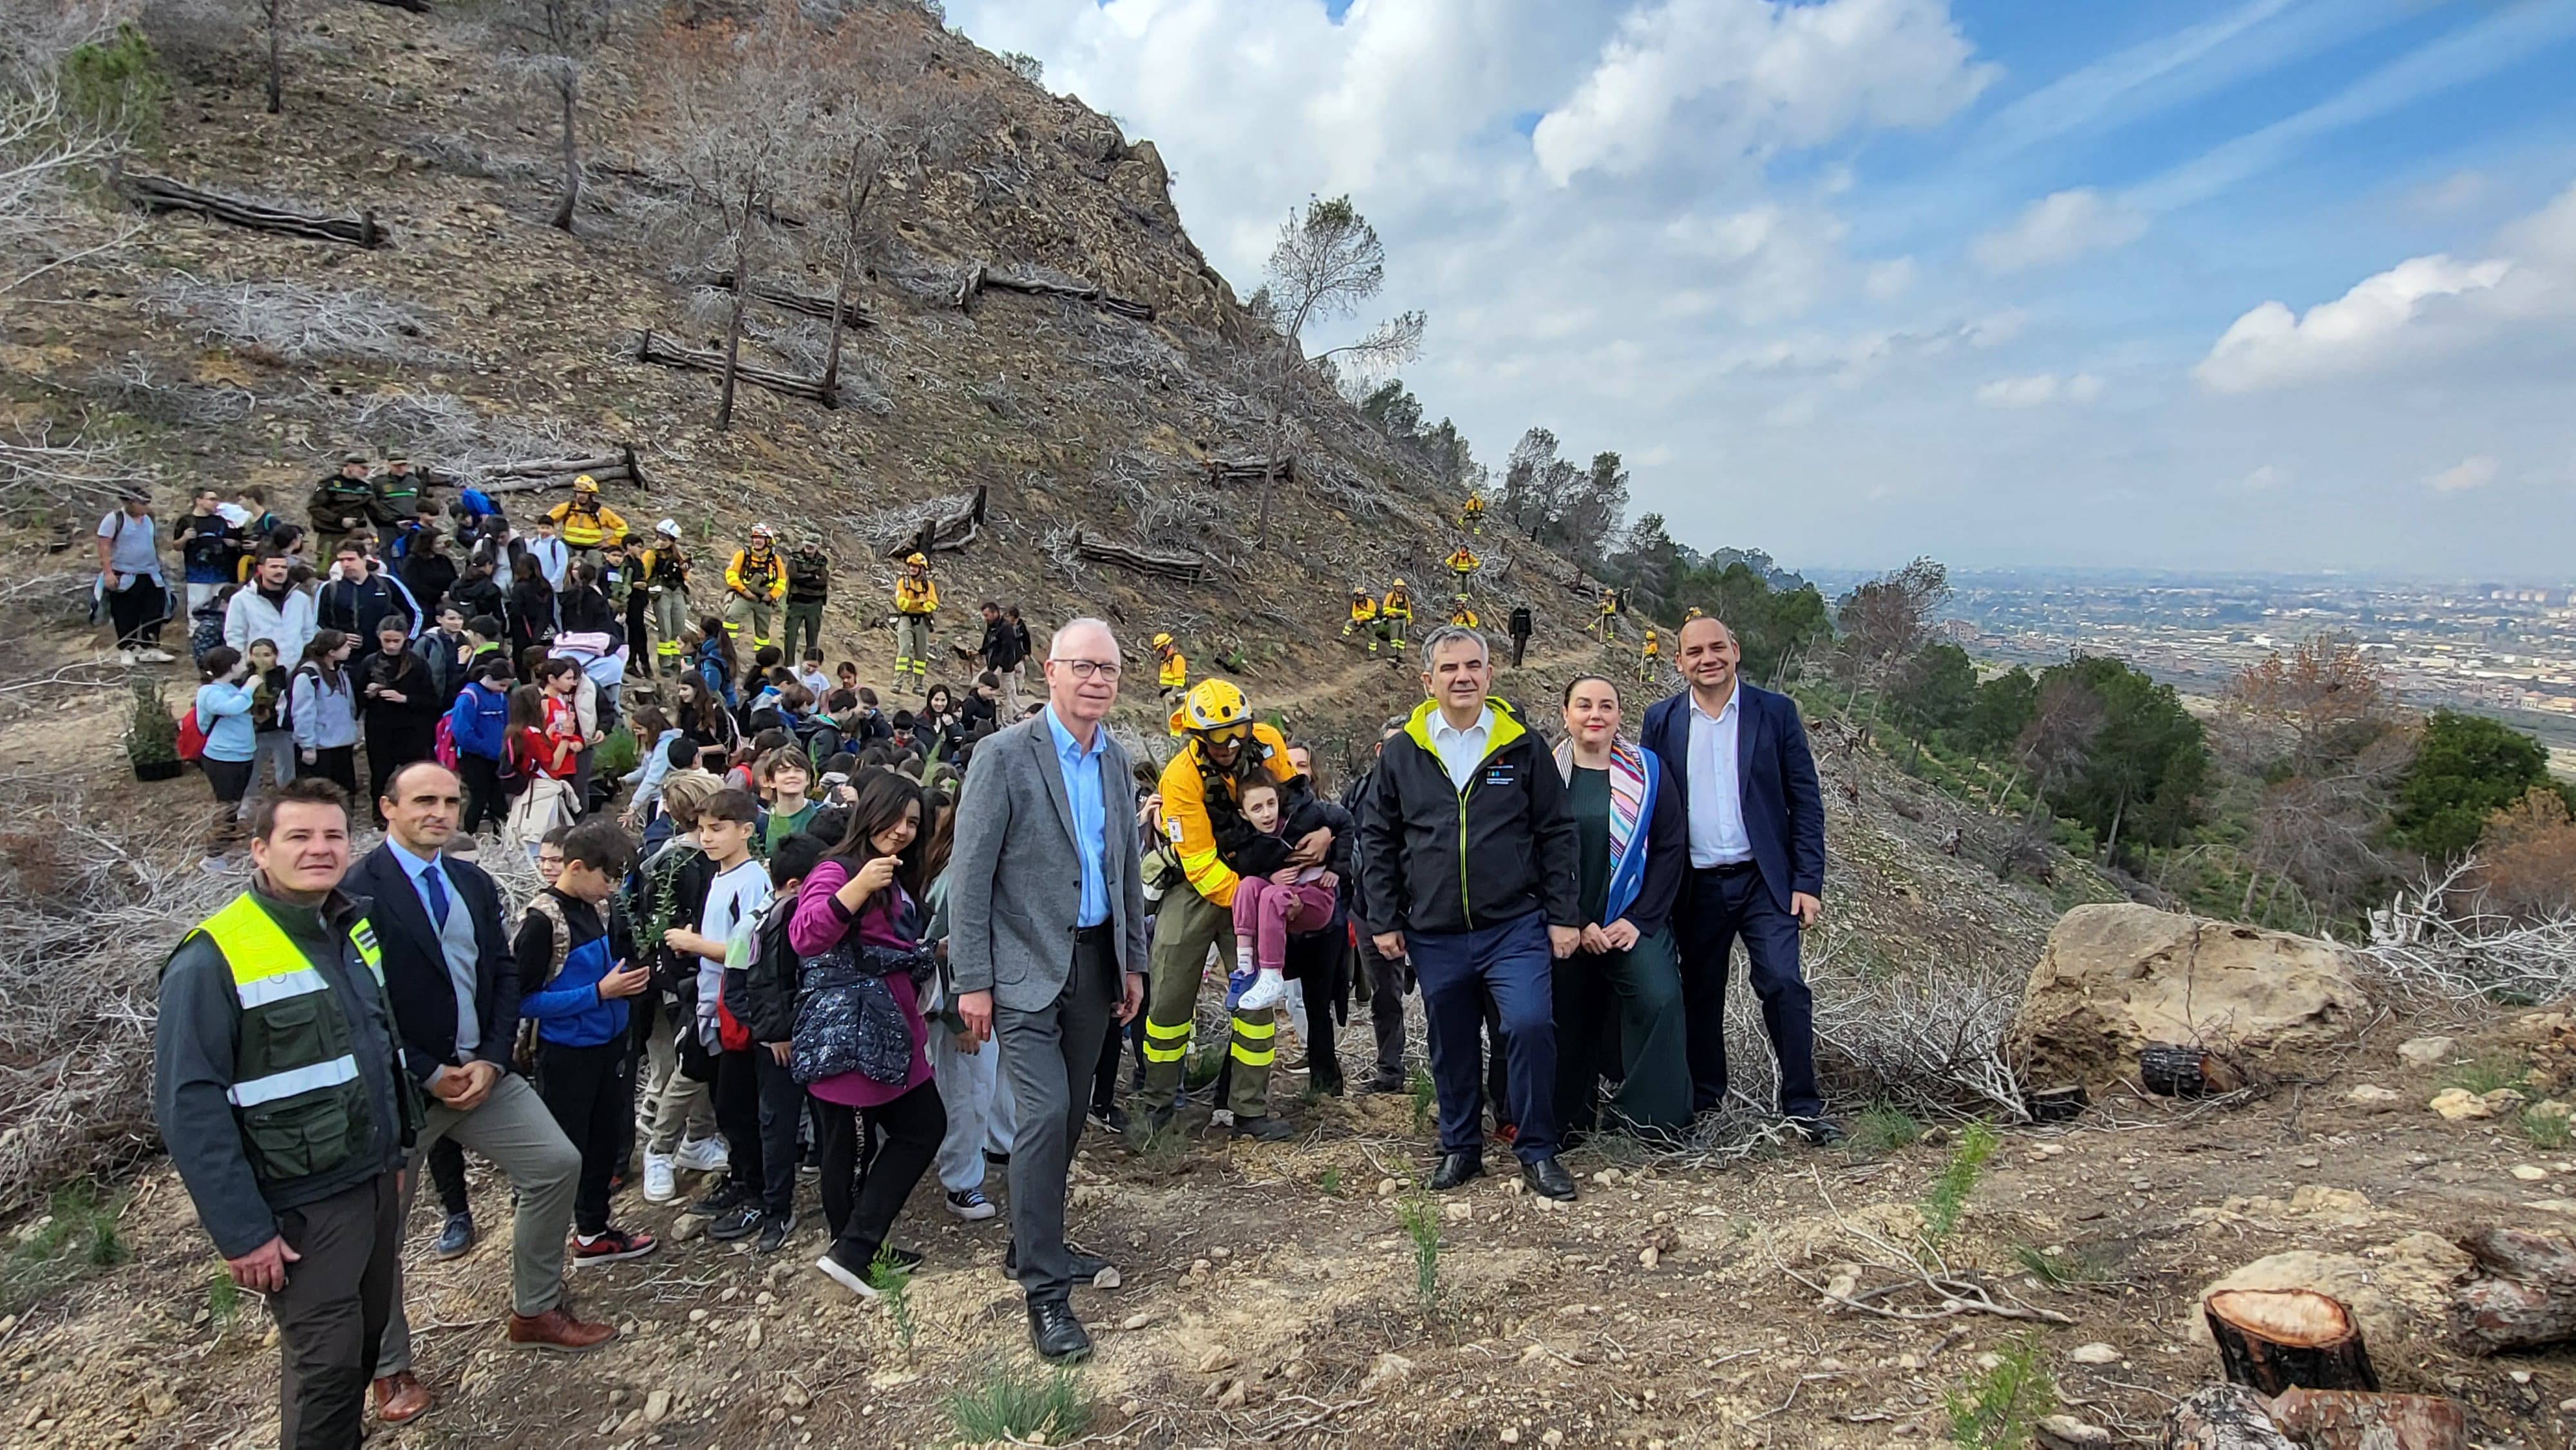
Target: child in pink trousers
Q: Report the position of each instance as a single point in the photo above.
(1268, 908)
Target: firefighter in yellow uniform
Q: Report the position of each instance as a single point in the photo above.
(1605, 625)
(1394, 616)
(1363, 617)
(1175, 672)
(1462, 616)
(1649, 657)
(666, 583)
(586, 525)
(916, 599)
(1223, 747)
(1463, 563)
(757, 581)
(1471, 514)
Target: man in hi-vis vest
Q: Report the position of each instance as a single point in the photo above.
(279, 1089)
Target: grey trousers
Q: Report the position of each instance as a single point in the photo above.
(516, 1132)
(1049, 1056)
(333, 1312)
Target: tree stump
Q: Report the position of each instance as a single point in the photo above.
(2525, 1296)
(2344, 1420)
(2222, 1417)
(2273, 1339)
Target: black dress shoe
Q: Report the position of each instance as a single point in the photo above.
(1456, 1168)
(1384, 1082)
(1548, 1179)
(1819, 1131)
(1082, 1268)
(1267, 1128)
(1055, 1333)
(456, 1237)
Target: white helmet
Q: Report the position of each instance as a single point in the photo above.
(668, 528)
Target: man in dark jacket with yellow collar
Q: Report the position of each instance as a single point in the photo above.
(1468, 864)
(279, 1089)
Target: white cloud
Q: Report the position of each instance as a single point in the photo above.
(2468, 473)
(2271, 347)
(1741, 78)
(2039, 389)
(1889, 280)
(2058, 228)
(2265, 478)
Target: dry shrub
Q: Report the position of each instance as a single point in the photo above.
(298, 323)
(2527, 858)
(92, 915)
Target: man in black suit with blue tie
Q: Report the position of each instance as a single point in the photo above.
(1757, 857)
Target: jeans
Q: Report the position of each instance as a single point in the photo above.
(513, 1130)
(588, 1089)
(1510, 966)
(339, 1299)
(1049, 1055)
(913, 1125)
(274, 755)
(739, 1104)
(782, 1113)
(1717, 906)
(980, 1111)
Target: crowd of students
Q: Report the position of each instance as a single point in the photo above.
(820, 938)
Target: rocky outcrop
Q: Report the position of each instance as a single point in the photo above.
(2115, 978)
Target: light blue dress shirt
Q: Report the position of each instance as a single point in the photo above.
(1083, 792)
(1717, 836)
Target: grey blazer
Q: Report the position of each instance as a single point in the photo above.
(1014, 880)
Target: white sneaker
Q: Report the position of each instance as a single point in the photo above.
(125, 657)
(1266, 992)
(703, 1155)
(661, 1185)
(154, 656)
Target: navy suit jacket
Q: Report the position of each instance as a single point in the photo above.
(1784, 810)
(424, 997)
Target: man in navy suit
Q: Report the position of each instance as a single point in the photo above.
(1757, 857)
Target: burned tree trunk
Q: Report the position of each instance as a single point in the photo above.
(160, 193)
(2344, 1420)
(2524, 1297)
(2274, 1339)
(2222, 1417)
(669, 354)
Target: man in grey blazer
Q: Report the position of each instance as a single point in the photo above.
(1047, 943)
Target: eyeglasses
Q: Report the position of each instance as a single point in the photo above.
(1086, 669)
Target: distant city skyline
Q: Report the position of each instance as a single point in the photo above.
(2214, 284)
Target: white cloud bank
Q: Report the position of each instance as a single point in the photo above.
(2038, 390)
(2468, 473)
(2058, 228)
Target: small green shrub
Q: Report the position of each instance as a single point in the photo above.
(1013, 1401)
(116, 84)
(1881, 1129)
(893, 1283)
(78, 1235)
(2545, 1130)
(617, 754)
(2487, 1072)
(1426, 1098)
(223, 1300)
(1421, 1220)
(1330, 1182)
(1949, 1195)
(1996, 1409)
(2070, 1269)
(152, 732)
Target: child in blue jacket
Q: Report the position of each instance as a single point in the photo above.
(479, 723)
(577, 968)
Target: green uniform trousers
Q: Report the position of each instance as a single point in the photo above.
(670, 620)
(805, 617)
(1639, 992)
(912, 648)
(755, 613)
(1185, 926)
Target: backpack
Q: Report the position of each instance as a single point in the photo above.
(443, 741)
(192, 736)
(523, 1047)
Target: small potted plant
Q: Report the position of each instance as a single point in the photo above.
(152, 735)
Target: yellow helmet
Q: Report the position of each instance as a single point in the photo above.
(585, 484)
(1212, 705)
(1161, 640)
(916, 561)
(1398, 584)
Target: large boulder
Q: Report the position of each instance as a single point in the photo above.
(2115, 978)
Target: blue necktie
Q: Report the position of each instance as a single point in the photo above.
(435, 882)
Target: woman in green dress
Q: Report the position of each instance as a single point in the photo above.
(1634, 842)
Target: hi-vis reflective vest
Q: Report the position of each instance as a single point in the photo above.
(916, 596)
(1363, 608)
(1176, 671)
(296, 1094)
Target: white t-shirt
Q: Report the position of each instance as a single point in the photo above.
(734, 902)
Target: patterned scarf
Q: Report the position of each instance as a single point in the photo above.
(1627, 793)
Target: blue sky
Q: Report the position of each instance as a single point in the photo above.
(2253, 284)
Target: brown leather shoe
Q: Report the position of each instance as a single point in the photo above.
(558, 1330)
(400, 1397)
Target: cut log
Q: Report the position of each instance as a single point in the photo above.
(977, 277)
(945, 533)
(538, 475)
(1249, 470)
(1180, 568)
(812, 304)
(2172, 1071)
(160, 193)
(2345, 1420)
(2222, 1417)
(2524, 1295)
(416, 7)
(669, 354)
(2273, 1339)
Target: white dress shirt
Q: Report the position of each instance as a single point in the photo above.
(1717, 836)
(1461, 751)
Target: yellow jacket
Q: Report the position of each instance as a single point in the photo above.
(916, 597)
(1364, 608)
(1397, 606)
(1185, 817)
(755, 577)
(1176, 670)
(587, 528)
